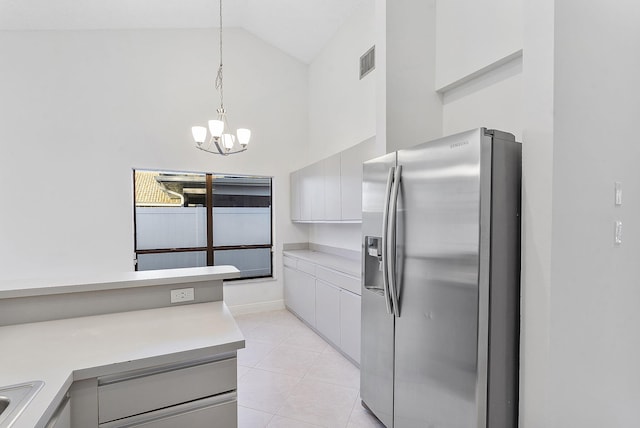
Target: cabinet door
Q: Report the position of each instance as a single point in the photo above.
(328, 311)
(84, 403)
(317, 191)
(332, 198)
(62, 416)
(350, 324)
(300, 294)
(294, 182)
(307, 300)
(291, 277)
(351, 180)
(305, 189)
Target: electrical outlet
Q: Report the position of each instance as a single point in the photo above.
(182, 295)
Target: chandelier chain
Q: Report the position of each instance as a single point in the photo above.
(219, 75)
(223, 141)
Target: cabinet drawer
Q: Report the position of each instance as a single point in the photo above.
(214, 412)
(307, 267)
(290, 262)
(146, 390)
(341, 280)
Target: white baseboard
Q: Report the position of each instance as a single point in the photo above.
(257, 307)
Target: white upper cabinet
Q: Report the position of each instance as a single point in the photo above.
(351, 178)
(295, 195)
(330, 190)
(317, 191)
(305, 182)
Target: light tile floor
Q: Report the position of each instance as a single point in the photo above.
(289, 377)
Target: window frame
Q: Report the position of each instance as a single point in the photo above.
(210, 248)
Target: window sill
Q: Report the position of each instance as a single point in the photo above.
(251, 281)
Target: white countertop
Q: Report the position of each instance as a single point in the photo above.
(59, 352)
(341, 264)
(38, 287)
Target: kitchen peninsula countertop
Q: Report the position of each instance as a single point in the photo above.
(14, 288)
(63, 351)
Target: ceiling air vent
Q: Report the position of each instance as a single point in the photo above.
(368, 62)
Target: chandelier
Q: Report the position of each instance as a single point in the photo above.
(221, 140)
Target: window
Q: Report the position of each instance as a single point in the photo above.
(191, 219)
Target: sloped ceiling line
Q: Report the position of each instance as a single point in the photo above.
(301, 28)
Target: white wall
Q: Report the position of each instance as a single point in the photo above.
(80, 109)
(413, 110)
(478, 66)
(341, 106)
(381, 74)
(474, 34)
(537, 190)
(595, 321)
(346, 236)
(493, 100)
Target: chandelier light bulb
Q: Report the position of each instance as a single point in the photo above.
(216, 127)
(199, 134)
(244, 135)
(228, 140)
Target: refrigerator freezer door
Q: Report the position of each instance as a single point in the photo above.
(436, 361)
(376, 363)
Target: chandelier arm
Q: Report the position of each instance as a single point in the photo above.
(215, 141)
(215, 152)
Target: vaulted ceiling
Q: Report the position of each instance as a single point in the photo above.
(298, 27)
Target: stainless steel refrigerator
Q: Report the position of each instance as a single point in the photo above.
(441, 283)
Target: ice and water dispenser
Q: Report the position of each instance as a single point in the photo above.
(373, 264)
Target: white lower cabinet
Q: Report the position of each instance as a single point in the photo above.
(62, 416)
(350, 324)
(300, 294)
(194, 394)
(329, 307)
(328, 311)
(143, 391)
(214, 412)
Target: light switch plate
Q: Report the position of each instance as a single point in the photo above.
(618, 233)
(618, 186)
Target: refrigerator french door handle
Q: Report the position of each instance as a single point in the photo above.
(391, 250)
(385, 239)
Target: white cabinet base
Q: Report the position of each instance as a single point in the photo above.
(212, 412)
(300, 294)
(328, 311)
(328, 308)
(350, 324)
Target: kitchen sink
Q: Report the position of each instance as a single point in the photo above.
(14, 399)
